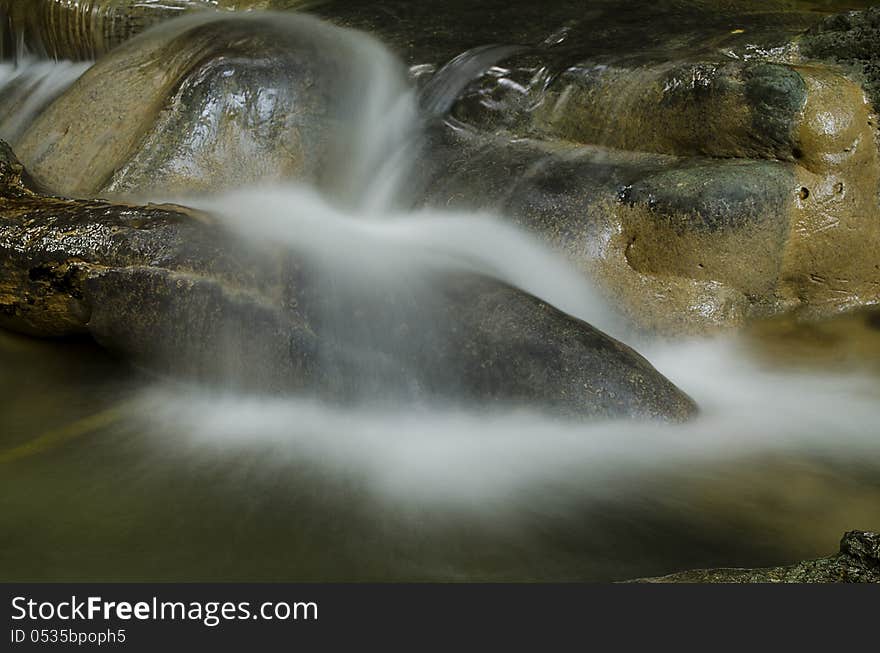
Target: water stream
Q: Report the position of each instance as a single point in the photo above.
(27, 86)
(112, 473)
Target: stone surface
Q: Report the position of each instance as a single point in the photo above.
(681, 244)
(695, 157)
(757, 107)
(858, 561)
(172, 290)
(214, 102)
(84, 30)
(853, 40)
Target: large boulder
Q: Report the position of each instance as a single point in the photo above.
(798, 143)
(214, 101)
(174, 290)
(683, 244)
(707, 173)
(767, 198)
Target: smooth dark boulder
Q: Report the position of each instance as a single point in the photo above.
(173, 290)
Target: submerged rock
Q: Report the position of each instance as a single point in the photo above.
(858, 561)
(173, 290)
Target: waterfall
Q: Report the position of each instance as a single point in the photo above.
(381, 263)
(27, 86)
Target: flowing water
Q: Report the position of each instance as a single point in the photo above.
(107, 472)
(28, 86)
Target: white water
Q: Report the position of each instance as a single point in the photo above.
(497, 461)
(27, 86)
(438, 456)
(471, 459)
(395, 247)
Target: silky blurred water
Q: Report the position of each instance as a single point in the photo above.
(110, 473)
(113, 473)
(136, 478)
(27, 86)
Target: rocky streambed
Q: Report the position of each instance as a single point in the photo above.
(703, 168)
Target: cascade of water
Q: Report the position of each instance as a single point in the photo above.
(366, 248)
(515, 462)
(469, 458)
(27, 86)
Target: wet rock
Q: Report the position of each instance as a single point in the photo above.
(709, 108)
(761, 108)
(858, 561)
(211, 102)
(682, 245)
(723, 221)
(798, 139)
(84, 30)
(732, 83)
(174, 291)
(850, 39)
(686, 155)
